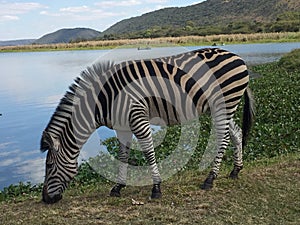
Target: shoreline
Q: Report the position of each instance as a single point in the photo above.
(213, 40)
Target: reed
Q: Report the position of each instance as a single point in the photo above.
(163, 41)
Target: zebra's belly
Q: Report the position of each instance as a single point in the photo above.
(120, 121)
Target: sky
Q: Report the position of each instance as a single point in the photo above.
(31, 19)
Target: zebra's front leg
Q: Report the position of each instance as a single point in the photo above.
(125, 138)
(222, 143)
(147, 147)
(140, 126)
(236, 137)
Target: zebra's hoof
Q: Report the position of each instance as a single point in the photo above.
(114, 194)
(233, 175)
(235, 172)
(156, 192)
(207, 185)
(115, 191)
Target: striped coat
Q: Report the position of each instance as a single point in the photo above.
(129, 96)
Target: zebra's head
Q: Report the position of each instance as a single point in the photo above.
(59, 170)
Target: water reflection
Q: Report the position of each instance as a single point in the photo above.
(32, 84)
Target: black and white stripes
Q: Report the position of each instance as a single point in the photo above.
(127, 96)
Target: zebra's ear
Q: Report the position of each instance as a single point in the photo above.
(46, 142)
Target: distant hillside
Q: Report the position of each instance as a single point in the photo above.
(17, 42)
(68, 35)
(210, 13)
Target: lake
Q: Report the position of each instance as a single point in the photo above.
(32, 84)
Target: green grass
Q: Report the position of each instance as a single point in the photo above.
(268, 191)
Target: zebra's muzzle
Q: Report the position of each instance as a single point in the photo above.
(50, 200)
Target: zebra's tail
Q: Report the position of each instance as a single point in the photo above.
(248, 115)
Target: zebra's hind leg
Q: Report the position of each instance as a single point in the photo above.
(124, 138)
(236, 136)
(222, 136)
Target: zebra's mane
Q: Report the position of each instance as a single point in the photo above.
(96, 73)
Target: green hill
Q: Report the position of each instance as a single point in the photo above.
(205, 18)
(68, 35)
(226, 16)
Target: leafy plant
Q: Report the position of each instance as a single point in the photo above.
(86, 175)
(19, 190)
(276, 130)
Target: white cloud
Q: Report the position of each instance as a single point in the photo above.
(47, 13)
(9, 153)
(4, 145)
(51, 101)
(81, 13)
(32, 169)
(10, 10)
(9, 162)
(157, 1)
(16, 8)
(8, 18)
(112, 4)
(94, 15)
(101, 10)
(78, 9)
(44, 12)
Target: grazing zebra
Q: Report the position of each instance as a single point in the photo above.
(126, 96)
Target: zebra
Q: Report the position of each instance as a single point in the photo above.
(125, 96)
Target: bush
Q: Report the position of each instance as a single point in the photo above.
(291, 61)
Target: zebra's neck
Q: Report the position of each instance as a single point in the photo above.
(79, 112)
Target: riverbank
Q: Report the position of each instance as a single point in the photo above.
(166, 41)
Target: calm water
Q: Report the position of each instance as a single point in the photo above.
(32, 84)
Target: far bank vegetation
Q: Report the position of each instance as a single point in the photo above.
(220, 39)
